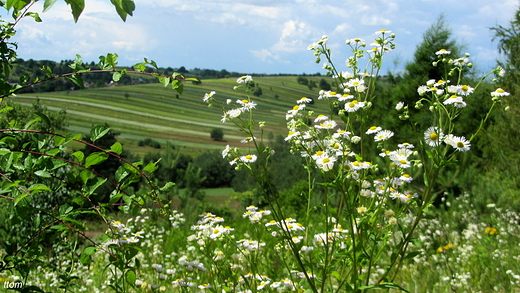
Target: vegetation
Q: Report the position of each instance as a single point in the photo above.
(324, 198)
(217, 134)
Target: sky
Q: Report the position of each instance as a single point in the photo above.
(256, 36)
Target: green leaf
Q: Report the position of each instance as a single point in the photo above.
(77, 7)
(130, 277)
(98, 132)
(77, 80)
(121, 173)
(412, 254)
(178, 86)
(165, 81)
(167, 187)
(79, 155)
(86, 255)
(99, 181)
(39, 187)
(48, 4)
(16, 4)
(34, 15)
(43, 173)
(124, 7)
(116, 148)
(11, 141)
(95, 159)
(4, 151)
(6, 109)
(384, 286)
(116, 76)
(59, 140)
(28, 124)
(140, 67)
(65, 209)
(114, 197)
(77, 65)
(19, 197)
(45, 118)
(108, 62)
(151, 167)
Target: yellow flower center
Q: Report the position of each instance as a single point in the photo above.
(319, 153)
(460, 144)
(501, 91)
(296, 107)
(434, 136)
(245, 101)
(465, 88)
(373, 128)
(326, 160)
(249, 157)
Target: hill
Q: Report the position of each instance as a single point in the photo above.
(152, 111)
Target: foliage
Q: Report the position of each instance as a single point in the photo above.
(46, 186)
(217, 134)
(217, 172)
(509, 47)
(149, 142)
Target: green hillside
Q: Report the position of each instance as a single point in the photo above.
(152, 111)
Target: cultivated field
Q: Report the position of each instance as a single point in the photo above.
(152, 111)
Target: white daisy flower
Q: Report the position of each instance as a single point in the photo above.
(374, 129)
(464, 90)
(321, 118)
(325, 162)
(208, 96)
(245, 79)
(499, 93)
(443, 52)
(354, 105)
(433, 136)
(383, 135)
(460, 143)
(304, 100)
(329, 124)
(248, 158)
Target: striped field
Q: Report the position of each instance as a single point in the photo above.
(153, 111)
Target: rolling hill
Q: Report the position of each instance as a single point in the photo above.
(152, 111)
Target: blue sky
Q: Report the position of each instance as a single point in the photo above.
(262, 36)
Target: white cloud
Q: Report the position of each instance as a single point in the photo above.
(343, 29)
(223, 18)
(372, 19)
(262, 54)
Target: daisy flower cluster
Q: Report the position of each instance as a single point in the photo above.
(123, 233)
(240, 106)
(447, 99)
(209, 227)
